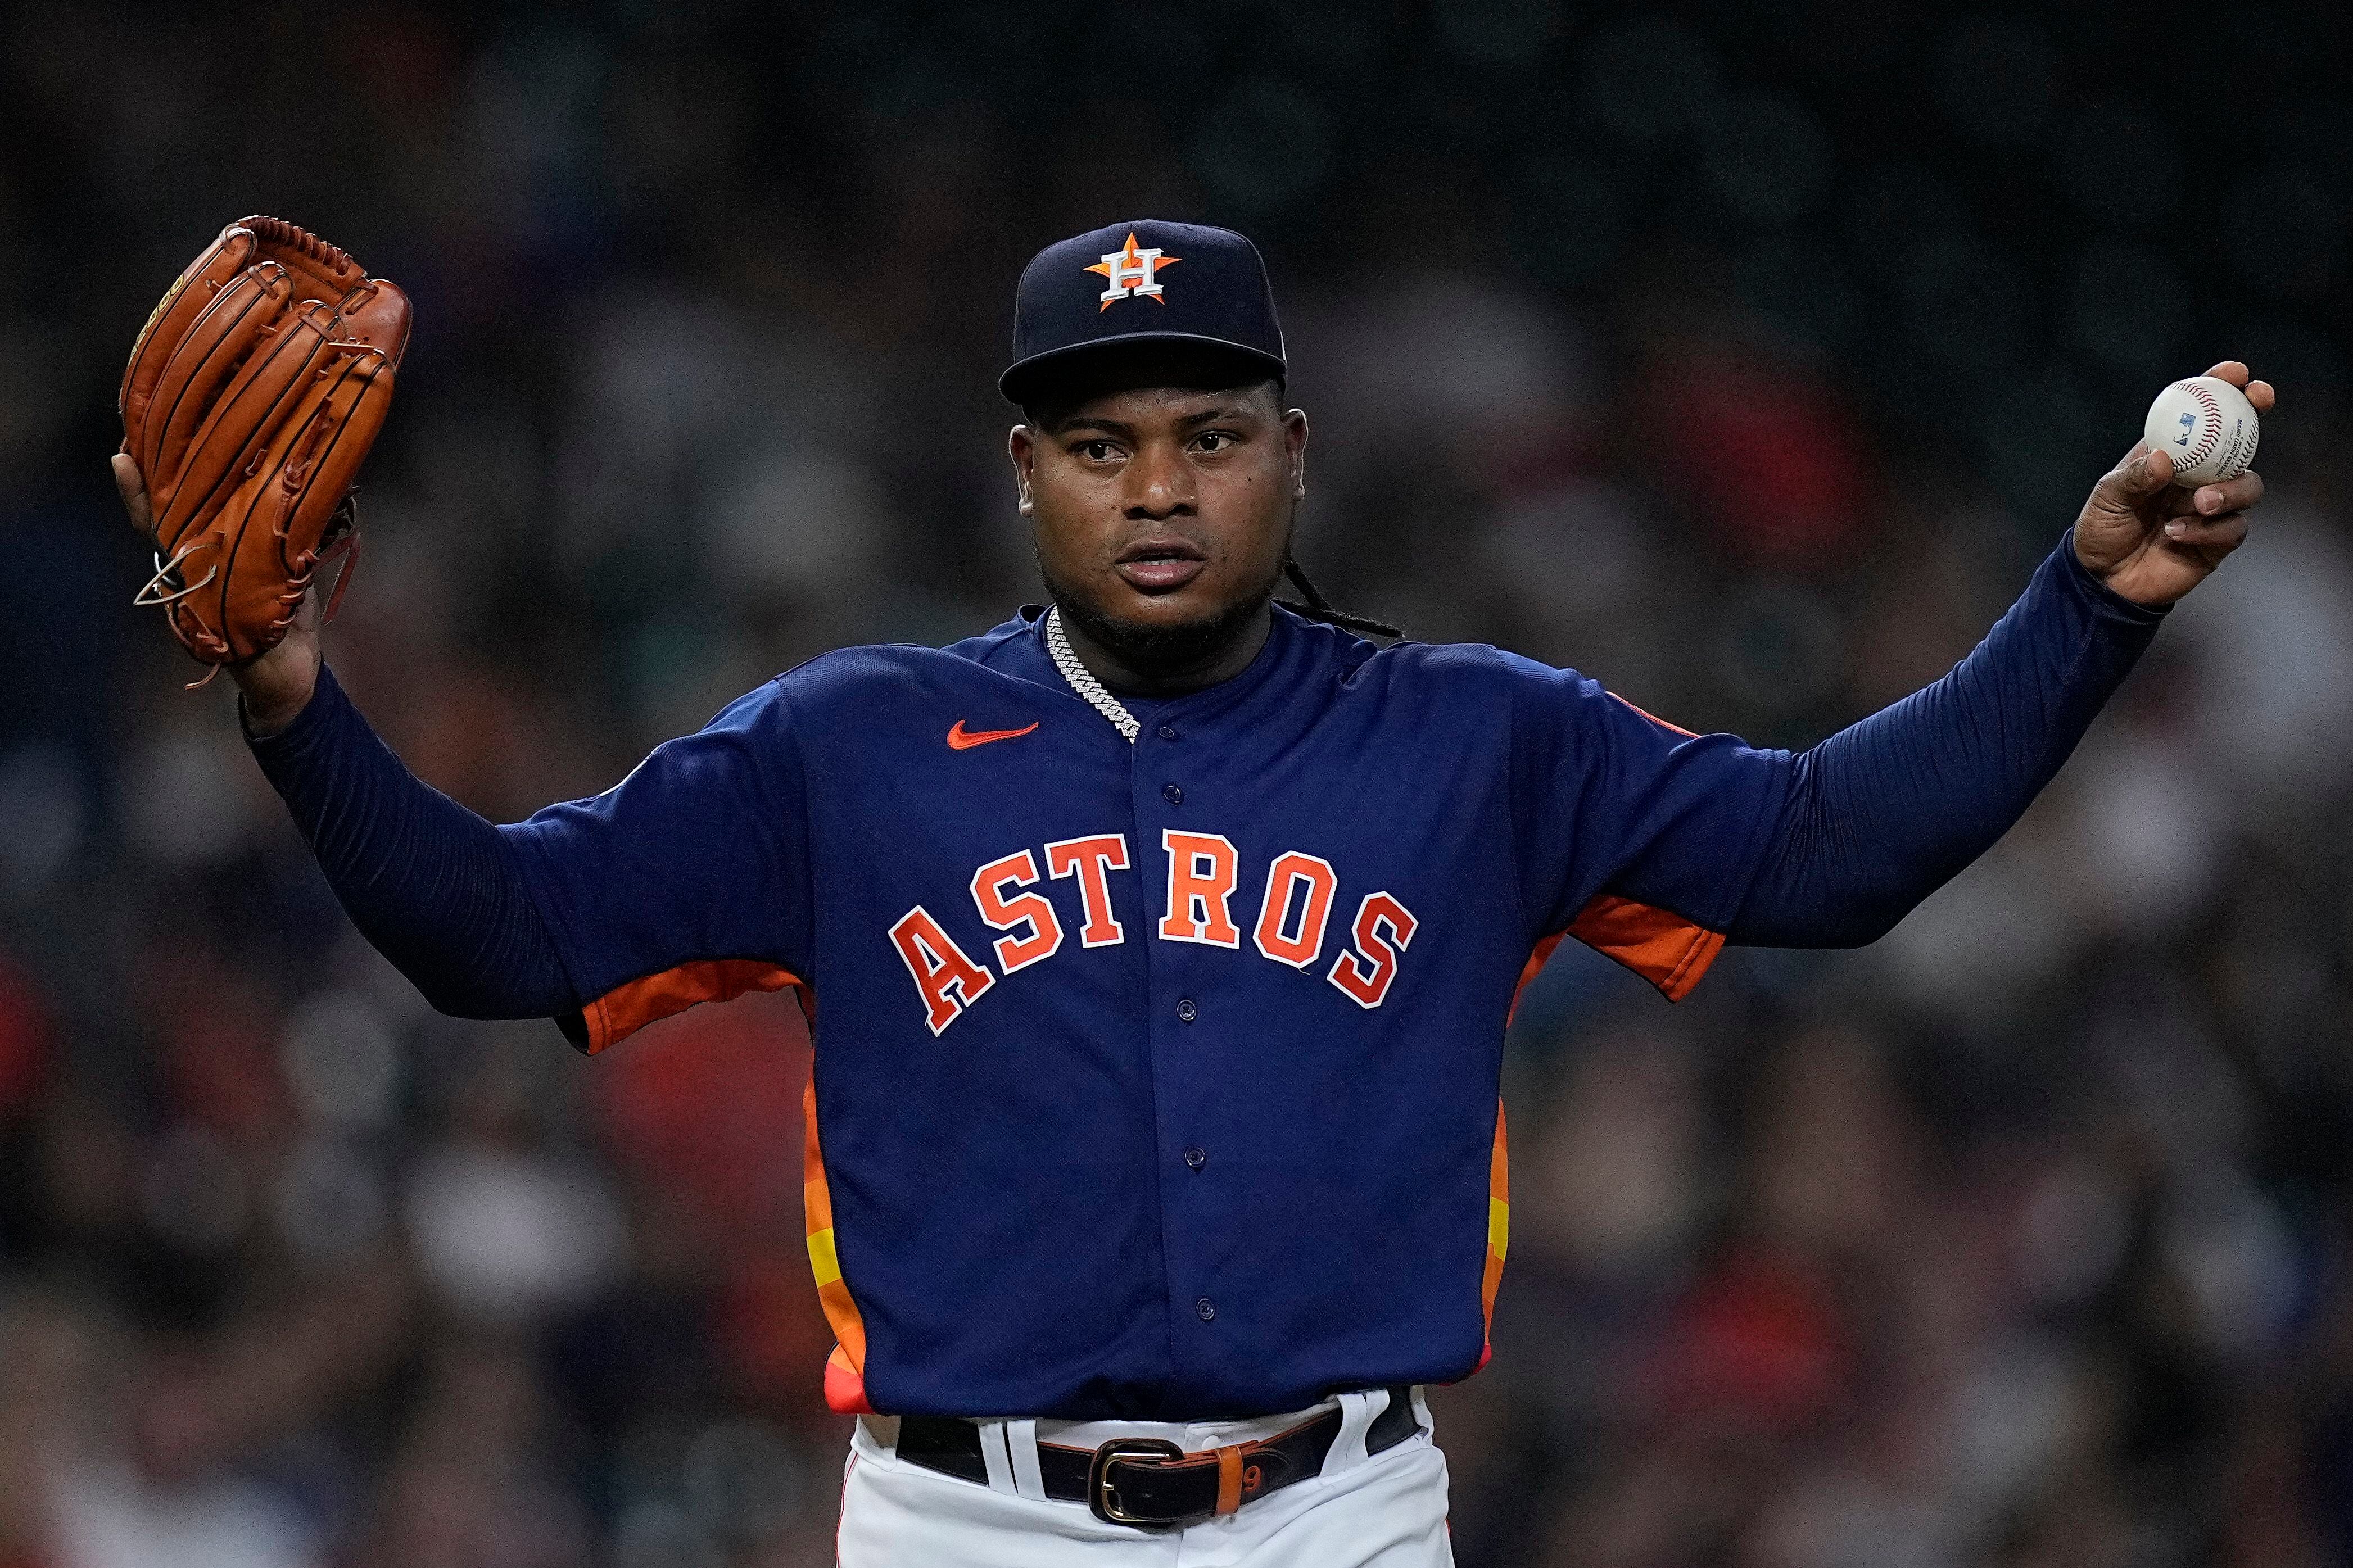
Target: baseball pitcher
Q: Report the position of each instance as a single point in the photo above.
(1165, 935)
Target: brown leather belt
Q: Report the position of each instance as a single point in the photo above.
(1148, 1481)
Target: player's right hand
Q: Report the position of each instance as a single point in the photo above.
(2152, 540)
(277, 685)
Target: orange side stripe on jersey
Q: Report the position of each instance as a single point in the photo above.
(1660, 945)
(1499, 1172)
(1499, 1229)
(626, 1008)
(1534, 967)
(845, 1390)
(845, 1370)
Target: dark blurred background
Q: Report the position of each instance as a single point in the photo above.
(1747, 357)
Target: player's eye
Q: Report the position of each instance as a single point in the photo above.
(1213, 440)
(1096, 451)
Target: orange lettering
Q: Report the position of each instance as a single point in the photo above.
(989, 886)
(1201, 869)
(1366, 979)
(948, 980)
(1283, 878)
(1089, 859)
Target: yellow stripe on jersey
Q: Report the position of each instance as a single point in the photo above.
(845, 1375)
(822, 1261)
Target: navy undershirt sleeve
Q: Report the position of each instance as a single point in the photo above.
(435, 888)
(1889, 809)
(689, 875)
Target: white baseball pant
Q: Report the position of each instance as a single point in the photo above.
(1384, 1511)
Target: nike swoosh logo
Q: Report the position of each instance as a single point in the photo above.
(964, 739)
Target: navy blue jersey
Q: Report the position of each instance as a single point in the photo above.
(1160, 1080)
(1158, 1077)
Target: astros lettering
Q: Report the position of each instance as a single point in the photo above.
(1295, 911)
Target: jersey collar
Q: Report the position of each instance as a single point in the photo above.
(1280, 658)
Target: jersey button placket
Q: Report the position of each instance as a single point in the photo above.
(1178, 1074)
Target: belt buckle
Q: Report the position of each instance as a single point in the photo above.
(1102, 1493)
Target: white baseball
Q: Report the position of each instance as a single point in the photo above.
(2206, 426)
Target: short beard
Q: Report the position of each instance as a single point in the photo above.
(1160, 650)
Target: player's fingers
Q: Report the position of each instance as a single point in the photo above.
(2143, 472)
(2134, 477)
(133, 491)
(2212, 499)
(2229, 495)
(2226, 531)
(2261, 394)
(2233, 371)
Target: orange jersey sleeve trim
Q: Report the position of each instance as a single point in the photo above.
(626, 1008)
(845, 1370)
(1654, 719)
(1662, 947)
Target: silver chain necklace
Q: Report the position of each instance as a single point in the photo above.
(1082, 680)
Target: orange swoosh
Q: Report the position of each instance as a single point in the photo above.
(964, 740)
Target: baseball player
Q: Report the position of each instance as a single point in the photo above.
(1165, 939)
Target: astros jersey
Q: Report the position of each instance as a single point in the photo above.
(1155, 1081)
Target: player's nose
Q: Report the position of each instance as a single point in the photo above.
(1159, 484)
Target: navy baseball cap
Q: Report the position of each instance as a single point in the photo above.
(1142, 281)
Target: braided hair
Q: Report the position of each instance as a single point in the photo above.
(1319, 608)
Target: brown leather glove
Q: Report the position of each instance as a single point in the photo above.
(253, 394)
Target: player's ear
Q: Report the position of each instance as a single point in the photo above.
(1294, 445)
(1022, 446)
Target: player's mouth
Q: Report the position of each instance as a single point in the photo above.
(1160, 565)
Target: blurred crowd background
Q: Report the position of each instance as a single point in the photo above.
(1745, 356)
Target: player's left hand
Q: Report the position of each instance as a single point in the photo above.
(276, 682)
(2152, 540)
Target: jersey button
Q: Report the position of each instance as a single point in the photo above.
(1186, 1011)
(1166, 732)
(1195, 1159)
(1172, 794)
(1205, 1308)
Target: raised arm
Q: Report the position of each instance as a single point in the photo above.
(436, 889)
(1658, 846)
(683, 883)
(1889, 809)
(1886, 811)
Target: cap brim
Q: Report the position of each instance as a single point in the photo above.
(1023, 380)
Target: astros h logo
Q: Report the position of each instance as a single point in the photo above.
(1133, 272)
